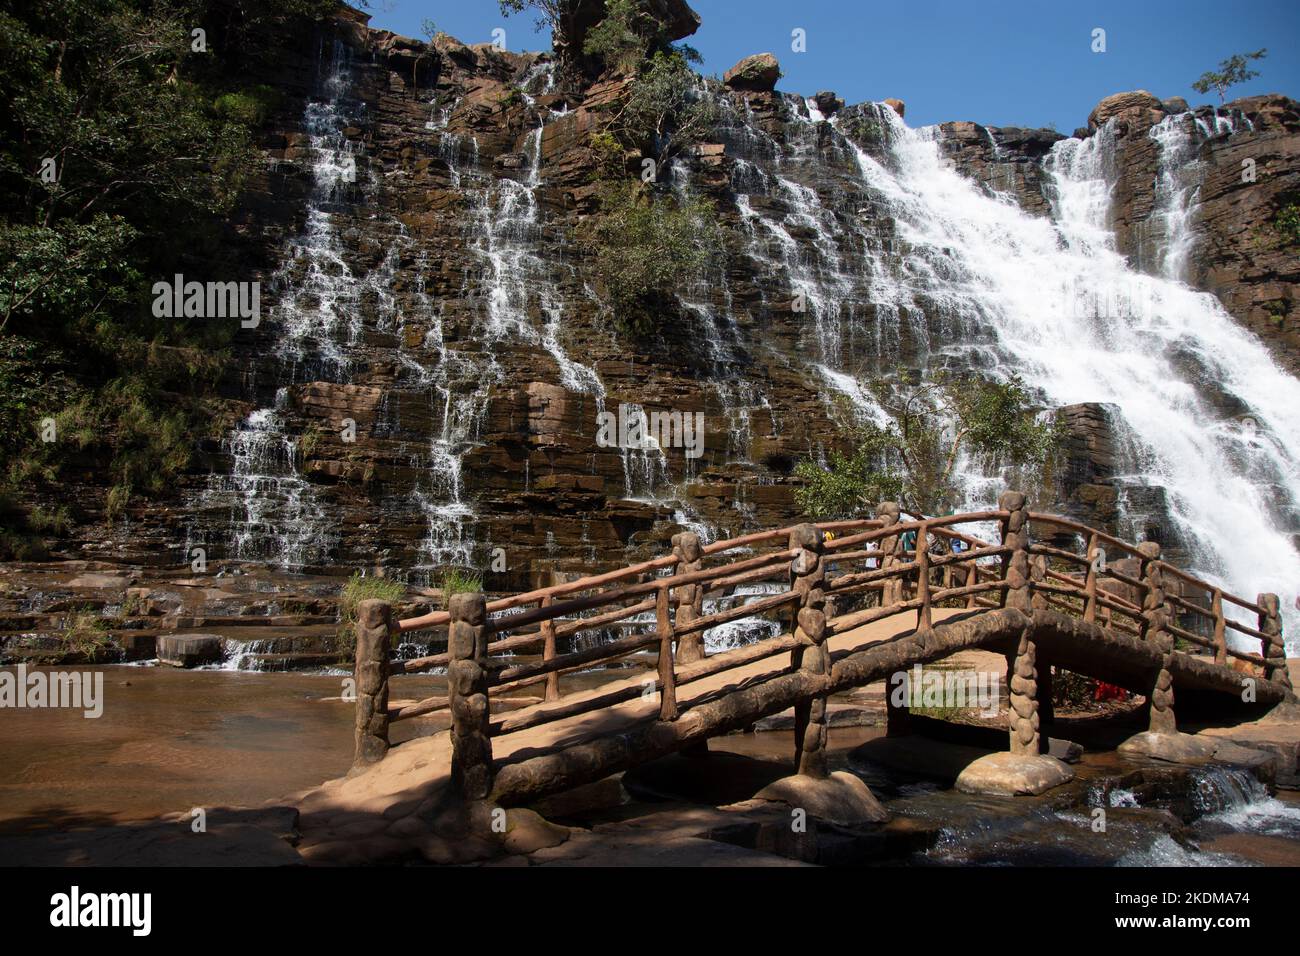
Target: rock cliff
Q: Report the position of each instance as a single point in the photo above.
(438, 305)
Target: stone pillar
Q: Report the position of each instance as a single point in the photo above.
(888, 513)
(1046, 706)
(808, 577)
(373, 627)
(1270, 624)
(1015, 566)
(1155, 617)
(690, 597)
(467, 690)
(1042, 669)
(1022, 697)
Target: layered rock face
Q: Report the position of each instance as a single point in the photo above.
(426, 388)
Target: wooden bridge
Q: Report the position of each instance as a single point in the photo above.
(863, 600)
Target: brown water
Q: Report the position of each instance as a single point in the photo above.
(170, 740)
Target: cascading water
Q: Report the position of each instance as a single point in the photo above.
(1065, 311)
(275, 516)
(521, 306)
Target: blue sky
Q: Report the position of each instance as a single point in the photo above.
(998, 62)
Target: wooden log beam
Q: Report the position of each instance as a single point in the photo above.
(525, 780)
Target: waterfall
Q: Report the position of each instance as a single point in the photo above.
(1235, 798)
(274, 513)
(521, 305)
(1055, 302)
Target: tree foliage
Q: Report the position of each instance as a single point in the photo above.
(1231, 72)
(122, 150)
(666, 109)
(642, 242)
(911, 457)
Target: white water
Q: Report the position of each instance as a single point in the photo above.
(317, 316)
(1080, 325)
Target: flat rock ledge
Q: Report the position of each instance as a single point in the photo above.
(1171, 748)
(1012, 775)
(841, 798)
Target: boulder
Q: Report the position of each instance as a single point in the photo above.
(1171, 748)
(1137, 110)
(828, 103)
(1010, 775)
(189, 650)
(676, 17)
(841, 798)
(1175, 104)
(757, 73)
(898, 106)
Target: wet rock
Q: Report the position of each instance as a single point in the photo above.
(829, 104)
(898, 106)
(1172, 748)
(189, 650)
(1009, 775)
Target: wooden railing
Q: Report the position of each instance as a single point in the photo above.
(833, 577)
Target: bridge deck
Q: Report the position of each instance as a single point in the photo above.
(415, 769)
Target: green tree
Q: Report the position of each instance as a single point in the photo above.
(911, 457)
(642, 242)
(122, 151)
(1231, 72)
(665, 110)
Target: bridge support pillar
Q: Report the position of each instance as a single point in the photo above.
(1042, 669)
(467, 690)
(1270, 624)
(1022, 698)
(1155, 617)
(690, 597)
(373, 629)
(808, 575)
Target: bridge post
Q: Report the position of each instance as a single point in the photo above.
(1090, 580)
(1015, 535)
(808, 574)
(891, 590)
(548, 653)
(1022, 697)
(667, 676)
(690, 597)
(373, 629)
(467, 691)
(1220, 628)
(1270, 623)
(1155, 617)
